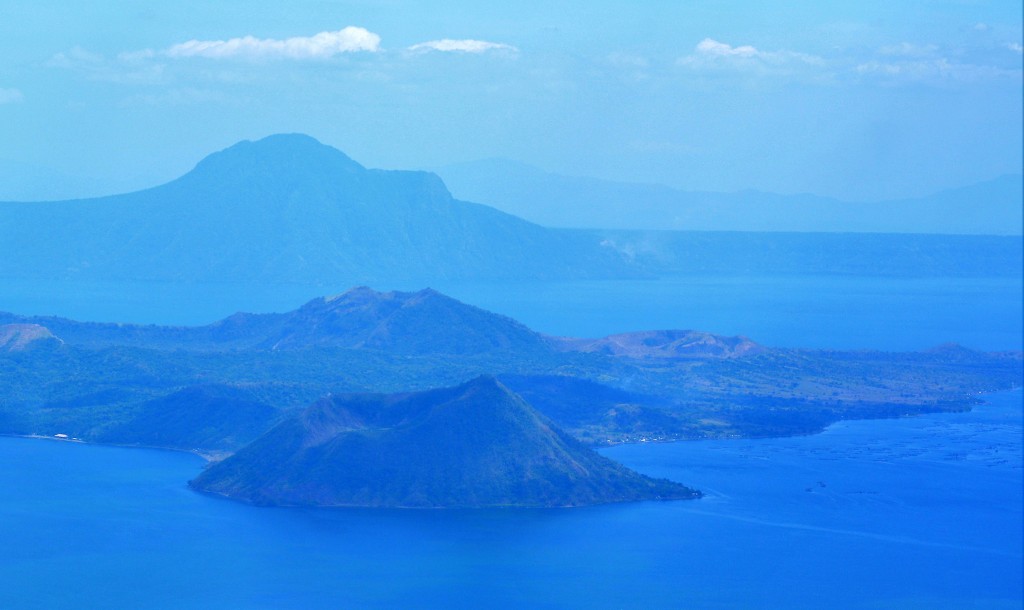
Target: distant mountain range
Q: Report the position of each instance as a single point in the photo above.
(988, 208)
(215, 387)
(287, 209)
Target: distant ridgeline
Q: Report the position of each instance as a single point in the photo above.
(287, 209)
(511, 437)
(993, 207)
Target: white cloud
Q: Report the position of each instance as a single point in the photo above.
(906, 49)
(462, 46)
(1015, 46)
(711, 53)
(319, 46)
(10, 96)
(934, 71)
(713, 48)
(931, 64)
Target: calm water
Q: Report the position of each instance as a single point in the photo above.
(912, 513)
(789, 311)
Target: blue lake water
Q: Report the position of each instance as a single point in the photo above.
(921, 512)
(843, 312)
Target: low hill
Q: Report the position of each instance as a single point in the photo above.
(212, 417)
(475, 445)
(423, 322)
(408, 323)
(595, 413)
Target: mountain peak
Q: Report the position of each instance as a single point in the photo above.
(274, 156)
(474, 445)
(409, 322)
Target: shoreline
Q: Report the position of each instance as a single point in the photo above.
(206, 456)
(214, 456)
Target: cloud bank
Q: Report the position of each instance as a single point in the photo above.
(448, 45)
(319, 46)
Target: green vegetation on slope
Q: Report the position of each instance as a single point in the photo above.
(102, 384)
(474, 445)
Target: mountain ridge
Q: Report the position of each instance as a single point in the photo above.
(409, 323)
(991, 207)
(290, 208)
(128, 384)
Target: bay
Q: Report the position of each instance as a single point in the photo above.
(921, 512)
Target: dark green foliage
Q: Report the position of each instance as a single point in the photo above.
(101, 379)
(206, 418)
(473, 445)
(593, 412)
(408, 323)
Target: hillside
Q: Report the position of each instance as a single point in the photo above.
(20, 337)
(288, 209)
(408, 323)
(211, 417)
(216, 386)
(475, 445)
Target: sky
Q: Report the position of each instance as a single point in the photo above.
(862, 100)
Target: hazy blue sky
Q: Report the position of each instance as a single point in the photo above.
(859, 100)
